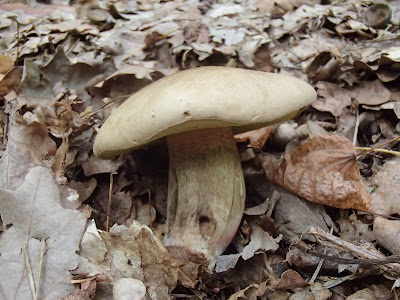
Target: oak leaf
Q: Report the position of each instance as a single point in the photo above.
(322, 170)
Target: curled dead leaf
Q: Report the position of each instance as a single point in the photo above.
(323, 170)
(386, 232)
(289, 280)
(257, 138)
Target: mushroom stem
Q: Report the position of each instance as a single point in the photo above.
(206, 194)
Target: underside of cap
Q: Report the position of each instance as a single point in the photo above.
(204, 97)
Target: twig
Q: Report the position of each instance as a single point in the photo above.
(352, 261)
(379, 146)
(42, 251)
(103, 106)
(91, 278)
(30, 274)
(109, 201)
(16, 21)
(388, 264)
(356, 127)
(316, 272)
(392, 152)
(148, 191)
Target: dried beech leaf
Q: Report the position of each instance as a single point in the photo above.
(257, 138)
(249, 292)
(386, 197)
(294, 216)
(386, 233)
(28, 146)
(259, 240)
(316, 291)
(33, 212)
(289, 280)
(322, 170)
(132, 252)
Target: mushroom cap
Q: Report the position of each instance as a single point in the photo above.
(204, 97)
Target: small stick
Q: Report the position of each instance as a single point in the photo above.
(379, 146)
(30, 274)
(356, 127)
(372, 256)
(148, 191)
(88, 115)
(368, 149)
(16, 21)
(42, 251)
(109, 201)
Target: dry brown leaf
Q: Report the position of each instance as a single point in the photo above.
(11, 81)
(28, 146)
(332, 98)
(129, 288)
(257, 138)
(259, 241)
(386, 197)
(374, 292)
(289, 280)
(250, 292)
(6, 64)
(96, 165)
(279, 7)
(294, 216)
(132, 252)
(316, 292)
(387, 234)
(322, 170)
(33, 213)
(371, 93)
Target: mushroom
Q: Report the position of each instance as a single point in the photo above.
(198, 110)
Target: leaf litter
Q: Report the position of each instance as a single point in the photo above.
(65, 67)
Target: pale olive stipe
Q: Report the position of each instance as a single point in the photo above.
(197, 110)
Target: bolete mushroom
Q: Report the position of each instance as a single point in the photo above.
(197, 111)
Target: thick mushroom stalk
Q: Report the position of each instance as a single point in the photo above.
(206, 194)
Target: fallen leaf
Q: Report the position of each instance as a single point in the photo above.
(371, 93)
(11, 81)
(257, 138)
(129, 288)
(374, 292)
(332, 98)
(323, 170)
(259, 240)
(386, 197)
(316, 291)
(6, 64)
(132, 252)
(250, 292)
(289, 280)
(28, 146)
(387, 232)
(96, 165)
(33, 213)
(294, 216)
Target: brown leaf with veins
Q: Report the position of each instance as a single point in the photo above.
(28, 146)
(290, 279)
(387, 232)
(322, 170)
(30, 214)
(386, 197)
(257, 137)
